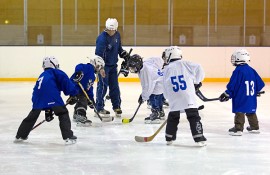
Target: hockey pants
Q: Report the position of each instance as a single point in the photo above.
(60, 111)
(239, 121)
(194, 122)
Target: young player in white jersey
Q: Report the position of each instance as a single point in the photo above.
(150, 74)
(179, 79)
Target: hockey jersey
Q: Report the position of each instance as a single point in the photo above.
(243, 87)
(178, 82)
(47, 91)
(108, 47)
(151, 77)
(88, 78)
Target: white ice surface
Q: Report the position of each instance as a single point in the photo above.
(110, 148)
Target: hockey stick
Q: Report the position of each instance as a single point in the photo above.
(127, 120)
(38, 124)
(203, 98)
(107, 96)
(150, 138)
(109, 119)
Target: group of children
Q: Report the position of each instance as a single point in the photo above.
(167, 77)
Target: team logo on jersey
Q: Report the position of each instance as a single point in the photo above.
(160, 73)
(198, 127)
(89, 84)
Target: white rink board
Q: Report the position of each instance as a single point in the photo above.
(26, 61)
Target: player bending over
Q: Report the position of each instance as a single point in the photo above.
(150, 74)
(243, 88)
(47, 97)
(178, 82)
(85, 74)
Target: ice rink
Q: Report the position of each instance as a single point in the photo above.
(110, 148)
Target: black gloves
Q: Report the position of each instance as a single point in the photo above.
(48, 115)
(78, 76)
(72, 100)
(124, 69)
(224, 97)
(197, 86)
(124, 55)
(140, 100)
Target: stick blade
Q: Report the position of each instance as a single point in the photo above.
(143, 139)
(107, 119)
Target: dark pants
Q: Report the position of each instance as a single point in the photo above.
(81, 105)
(194, 122)
(239, 120)
(60, 111)
(110, 80)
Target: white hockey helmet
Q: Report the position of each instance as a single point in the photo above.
(97, 62)
(50, 62)
(173, 52)
(111, 24)
(240, 56)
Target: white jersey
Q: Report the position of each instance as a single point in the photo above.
(151, 76)
(178, 82)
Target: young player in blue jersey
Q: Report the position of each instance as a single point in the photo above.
(86, 72)
(243, 88)
(108, 46)
(150, 74)
(47, 97)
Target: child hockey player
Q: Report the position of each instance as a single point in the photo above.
(150, 75)
(243, 88)
(47, 96)
(86, 72)
(178, 82)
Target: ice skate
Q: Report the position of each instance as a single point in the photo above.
(83, 121)
(118, 112)
(153, 118)
(161, 114)
(234, 132)
(71, 140)
(165, 104)
(170, 142)
(254, 131)
(19, 139)
(201, 143)
(103, 113)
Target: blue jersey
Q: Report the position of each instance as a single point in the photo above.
(108, 47)
(88, 78)
(47, 91)
(243, 87)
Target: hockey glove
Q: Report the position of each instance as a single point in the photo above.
(140, 100)
(260, 93)
(72, 100)
(124, 54)
(78, 77)
(124, 69)
(224, 97)
(197, 86)
(48, 115)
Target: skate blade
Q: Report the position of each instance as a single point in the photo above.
(70, 142)
(83, 124)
